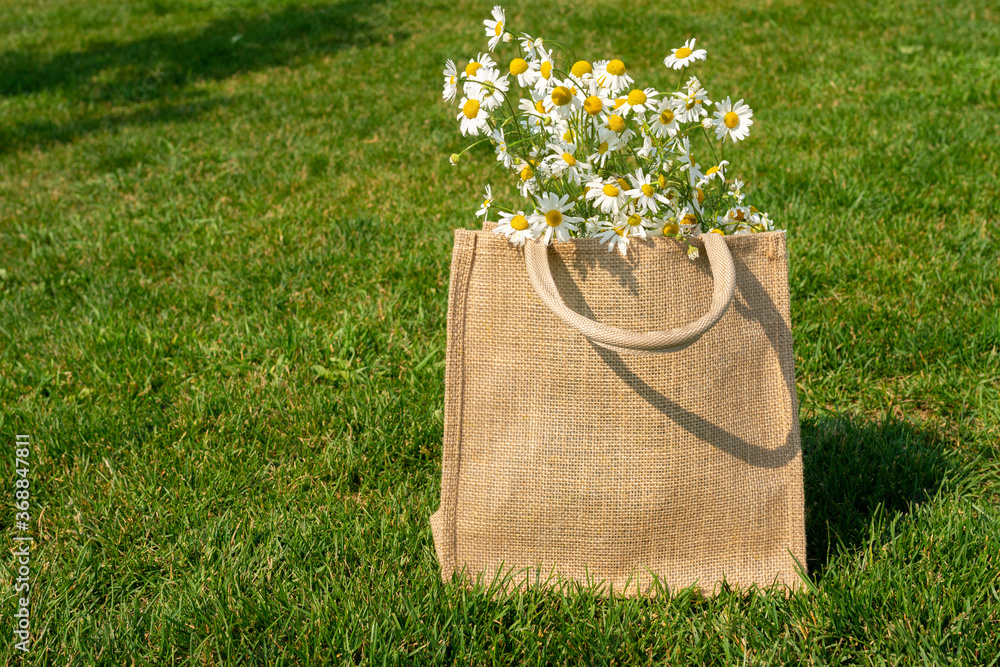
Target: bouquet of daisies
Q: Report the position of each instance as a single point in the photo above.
(596, 155)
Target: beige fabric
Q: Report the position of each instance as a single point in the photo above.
(565, 458)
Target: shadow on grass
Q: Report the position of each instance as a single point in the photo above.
(851, 467)
(154, 70)
(44, 131)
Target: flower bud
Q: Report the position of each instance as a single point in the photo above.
(455, 157)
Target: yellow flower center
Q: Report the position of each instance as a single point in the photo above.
(701, 196)
(712, 170)
(616, 123)
(731, 120)
(593, 105)
(527, 173)
(553, 218)
(603, 148)
(666, 117)
(569, 159)
(568, 135)
(539, 107)
(519, 222)
(546, 69)
(581, 67)
(737, 215)
(561, 96)
(682, 52)
(471, 109)
(620, 231)
(499, 29)
(635, 220)
(662, 181)
(472, 68)
(648, 189)
(717, 231)
(636, 97)
(616, 67)
(689, 219)
(671, 228)
(518, 66)
(623, 183)
(610, 191)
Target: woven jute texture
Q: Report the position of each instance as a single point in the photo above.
(565, 460)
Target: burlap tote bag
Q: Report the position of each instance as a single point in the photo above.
(579, 447)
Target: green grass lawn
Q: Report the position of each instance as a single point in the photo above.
(225, 233)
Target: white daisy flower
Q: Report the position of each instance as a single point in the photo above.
(545, 79)
(687, 221)
(495, 28)
(515, 227)
(582, 72)
(760, 221)
(615, 234)
(616, 123)
(694, 101)
(598, 83)
(473, 117)
(450, 81)
(529, 182)
(562, 162)
(643, 191)
(561, 128)
(636, 223)
(665, 120)
(597, 104)
(733, 120)
(534, 106)
(550, 217)
(684, 56)
(638, 101)
(527, 73)
(736, 190)
(481, 60)
(739, 216)
(612, 75)
(592, 225)
(668, 197)
(533, 48)
(562, 99)
(488, 87)
(607, 141)
(608, 195)
(503, 155)
(665, 227)
(484, 208)
(715, 171)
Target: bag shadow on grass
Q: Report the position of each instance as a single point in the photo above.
(158, 70)
(851, 467)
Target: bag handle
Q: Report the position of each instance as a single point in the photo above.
(536, 260)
